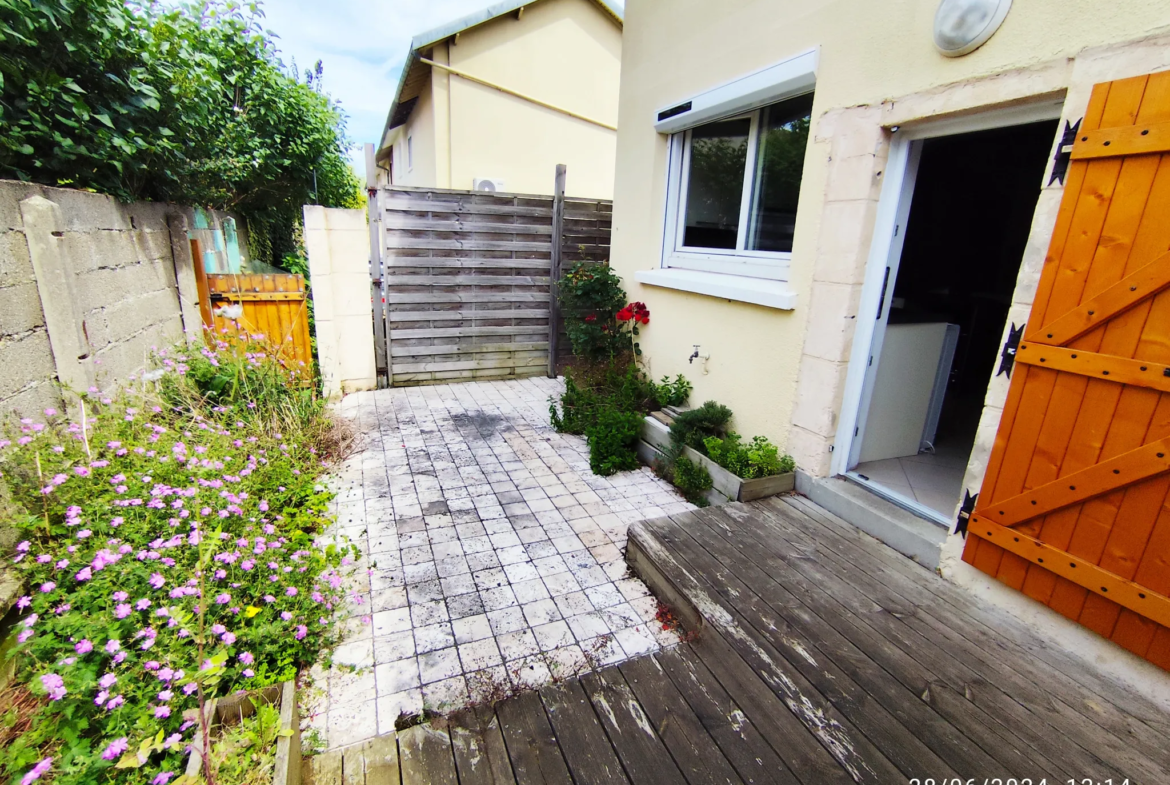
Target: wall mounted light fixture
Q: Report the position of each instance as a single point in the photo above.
(962, 26)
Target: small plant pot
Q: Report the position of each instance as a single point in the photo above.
(233, 708)
(725, 486)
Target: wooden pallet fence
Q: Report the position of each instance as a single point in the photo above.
(466, 280)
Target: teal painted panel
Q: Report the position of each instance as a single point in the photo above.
(232, 241)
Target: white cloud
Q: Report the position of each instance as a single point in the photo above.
(362, 44)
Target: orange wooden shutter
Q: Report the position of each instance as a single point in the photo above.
(1074, 509)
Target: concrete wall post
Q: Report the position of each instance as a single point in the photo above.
(337, 242)
(44, 227)
(188, 291)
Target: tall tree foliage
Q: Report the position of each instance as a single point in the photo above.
(185, 103)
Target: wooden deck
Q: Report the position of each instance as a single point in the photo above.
(822, 657)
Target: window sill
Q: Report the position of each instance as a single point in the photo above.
(759, 291)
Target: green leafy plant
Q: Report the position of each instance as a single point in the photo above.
(613, 441)
(758, 458)
(244, 753)
(186, 103)
(692, 479)
(691, 427)
(168, 543)
(592, 388)
(672, 393)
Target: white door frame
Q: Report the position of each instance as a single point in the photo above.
(886, 250)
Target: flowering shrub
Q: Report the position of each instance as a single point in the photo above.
(167, 546)
(591, 296)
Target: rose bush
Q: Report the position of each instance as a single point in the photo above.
(167, 549)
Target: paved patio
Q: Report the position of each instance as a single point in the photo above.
(494, 555)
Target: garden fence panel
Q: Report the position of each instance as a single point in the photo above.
(466, 279)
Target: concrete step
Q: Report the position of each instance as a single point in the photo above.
(905, 532)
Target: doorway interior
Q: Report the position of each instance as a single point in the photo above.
(965, 212)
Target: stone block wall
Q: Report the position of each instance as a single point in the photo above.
(88, 287)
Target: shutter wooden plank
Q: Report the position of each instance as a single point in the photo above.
(1076, 570)
(1017, 439)
(1124, 469)
(1107, 367)
(1140, 139)
(1123, 295)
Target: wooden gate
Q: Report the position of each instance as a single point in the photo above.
(1074, 509)
(269, 308)
(466, 279)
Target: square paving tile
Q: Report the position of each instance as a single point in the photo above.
(494, 555)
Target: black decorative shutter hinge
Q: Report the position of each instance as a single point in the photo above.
(1064, 152)
(1007, 358)
(965, 512)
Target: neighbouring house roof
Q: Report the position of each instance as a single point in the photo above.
(414, 73)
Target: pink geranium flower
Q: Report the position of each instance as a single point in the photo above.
(116, 748)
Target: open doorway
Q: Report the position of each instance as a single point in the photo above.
(943, 310)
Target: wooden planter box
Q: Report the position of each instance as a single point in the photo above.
(288, 747)
(725, 486)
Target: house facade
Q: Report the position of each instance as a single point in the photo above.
(495, 100)
(839, 215)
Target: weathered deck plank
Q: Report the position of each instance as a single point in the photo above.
(641, 751)
(1053, 691)
(693, 749)
(582, 739)
(532, 747)
(908, 657)
(821, 657)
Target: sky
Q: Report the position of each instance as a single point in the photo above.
(362, 44)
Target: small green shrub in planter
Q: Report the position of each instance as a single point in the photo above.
(691, 427)
(758, 458)
(613, 441)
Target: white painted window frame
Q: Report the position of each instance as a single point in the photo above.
(772, 265)
(885, 251)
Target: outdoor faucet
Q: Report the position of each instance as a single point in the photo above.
(697, 356)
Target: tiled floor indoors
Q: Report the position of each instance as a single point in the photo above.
(494, 555)
(934, 480)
